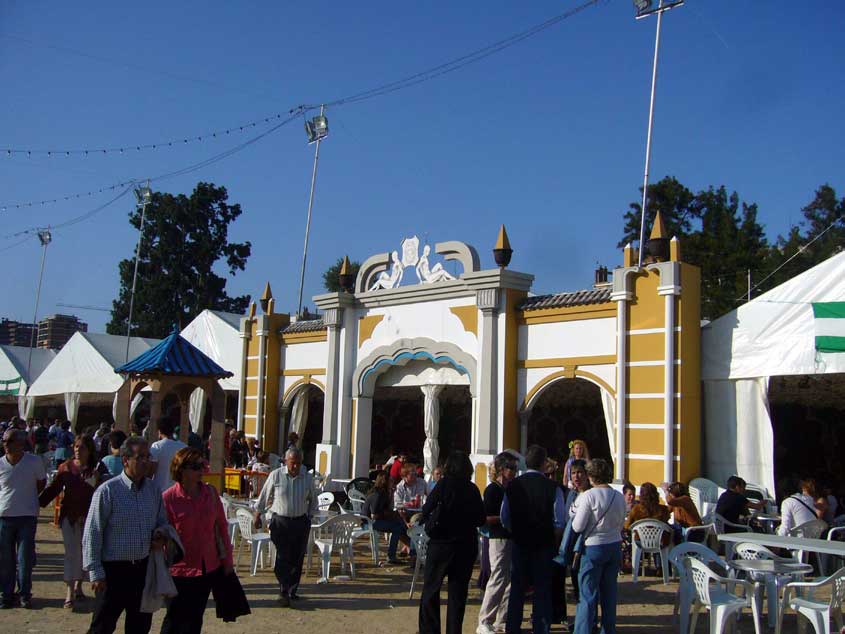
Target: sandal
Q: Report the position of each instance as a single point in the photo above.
(68, 605)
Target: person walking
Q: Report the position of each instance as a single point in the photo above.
(599, 518)
(451, 516)
(161, 454)
(76, 479)
(494, 606)
(22, 478)
(64, 443)
(532, 510)
(195, 511)
(122, 527)
(290, 494)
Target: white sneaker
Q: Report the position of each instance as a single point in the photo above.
(483, 628)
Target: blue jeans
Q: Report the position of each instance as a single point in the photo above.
(396, 528)
(597, 581)
(531, 567)
(17, 556)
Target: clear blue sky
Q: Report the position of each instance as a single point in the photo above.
(547, 137)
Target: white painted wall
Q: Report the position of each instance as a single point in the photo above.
(305, 355)
(416, 373)
(568, 339)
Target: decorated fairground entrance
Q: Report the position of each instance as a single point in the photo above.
(425, 352)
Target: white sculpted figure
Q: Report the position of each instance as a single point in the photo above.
(435, 274)
(392, 279)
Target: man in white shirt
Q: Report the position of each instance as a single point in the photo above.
(162, 452)
(409, 488)
(798, 508)
(22, 478)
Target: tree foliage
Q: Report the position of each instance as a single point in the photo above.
(330, 276)
(184, 239)
(721, 234)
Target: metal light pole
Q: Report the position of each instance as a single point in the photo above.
(317, 130)
(45, 237)
(143, 195)
(643, 10)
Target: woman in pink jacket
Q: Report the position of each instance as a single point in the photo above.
(195, 511)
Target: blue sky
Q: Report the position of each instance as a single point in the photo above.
(547, 137)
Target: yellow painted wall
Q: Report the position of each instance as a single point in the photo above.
(646, 310)
(689, 350)
(640, 471)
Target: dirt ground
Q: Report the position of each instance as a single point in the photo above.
(376, 601)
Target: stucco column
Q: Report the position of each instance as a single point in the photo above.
(669, 293)
(262, 333)
(621, 299)
(431, 424)
(524, 416)
(363, 425)
(332, 318)
(246, 327)
(487, 301)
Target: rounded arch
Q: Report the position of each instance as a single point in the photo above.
(287, 398)
(534, 392)
(401, 352)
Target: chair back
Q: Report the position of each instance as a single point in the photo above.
(708, 490)
(697, 551)
(650, 534)
(811, 530)
(695, 496)
(359, 485)
(754, 551)
(245, 520)
(419, 538)
(836, 534)
(341, 527)
(721, 523)
(700, 576)
(325, 500)
(837, 591)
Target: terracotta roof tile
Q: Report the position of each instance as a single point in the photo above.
(574, 298)
(307, 325)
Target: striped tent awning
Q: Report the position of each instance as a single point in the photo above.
(174, 356)
(829, 326)
(10, 387)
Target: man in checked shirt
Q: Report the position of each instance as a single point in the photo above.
(120, 531)
(293, 500)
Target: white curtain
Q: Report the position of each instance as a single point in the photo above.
(738, 436)
(431, 423)
(608, 404)
(196, 408)
(299, 414)
(26, 406)
(72, 406)
(136, 401)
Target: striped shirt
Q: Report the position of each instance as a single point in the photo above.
(120, 523)
(288, 496)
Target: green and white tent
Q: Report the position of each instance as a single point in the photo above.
(795, 329)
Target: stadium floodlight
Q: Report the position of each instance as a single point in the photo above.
(317, 129)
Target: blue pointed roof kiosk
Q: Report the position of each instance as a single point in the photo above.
(175, 366)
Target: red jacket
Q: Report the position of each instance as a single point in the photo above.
(196, 519)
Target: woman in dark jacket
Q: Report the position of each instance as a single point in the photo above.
(451, 516)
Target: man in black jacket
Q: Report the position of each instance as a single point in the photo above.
(533, 512)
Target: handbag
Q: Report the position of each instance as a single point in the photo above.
(434, 522)
(573, 544)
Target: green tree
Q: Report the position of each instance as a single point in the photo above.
(330, 277)
(184, 239)
(674, 202)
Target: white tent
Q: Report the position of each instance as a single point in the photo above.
(83, 370)
(217, 334)
(18, 370)
(772, 335)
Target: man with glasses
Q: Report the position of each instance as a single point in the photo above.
(121, 529)
(22, 478)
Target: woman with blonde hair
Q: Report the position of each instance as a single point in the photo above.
(577, 451)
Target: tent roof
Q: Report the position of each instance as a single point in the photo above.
(174, 356)
(15, 359)
(217, 334)
(86, 364)
(774, 334)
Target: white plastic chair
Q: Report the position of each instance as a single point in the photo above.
(773, 582)
(337, 537)
(356, 500)
(818, 611)
(719, 600)
(706, 531)
(419, 540)
(257, 541)
(811, 530)
(325, 500)
(229, 507)
(366, 530)
(686, 593)
(647, 537)
(835, 534)
(708, 490)
(721, 528)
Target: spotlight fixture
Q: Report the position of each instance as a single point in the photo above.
(317, 129)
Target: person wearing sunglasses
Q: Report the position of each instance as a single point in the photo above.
(195, 511)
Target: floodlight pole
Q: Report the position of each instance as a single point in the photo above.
(661, 9)
(308, 219)
(45, 237)
(145, 199)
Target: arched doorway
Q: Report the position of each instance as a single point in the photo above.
(566, 409)
(303, 412)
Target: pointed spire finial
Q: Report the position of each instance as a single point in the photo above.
(266, 296)
(658, 229)
(502, 252)
(344, 268)
(502, 241)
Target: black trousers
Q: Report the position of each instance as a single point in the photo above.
(124, 587)
(453, 560)
(185, 611)
(290, 537)
(558, 593)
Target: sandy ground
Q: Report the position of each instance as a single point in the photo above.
(375, 602)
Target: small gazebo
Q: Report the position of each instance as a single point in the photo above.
(176, 366)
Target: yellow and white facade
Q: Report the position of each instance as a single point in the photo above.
(637, 338)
